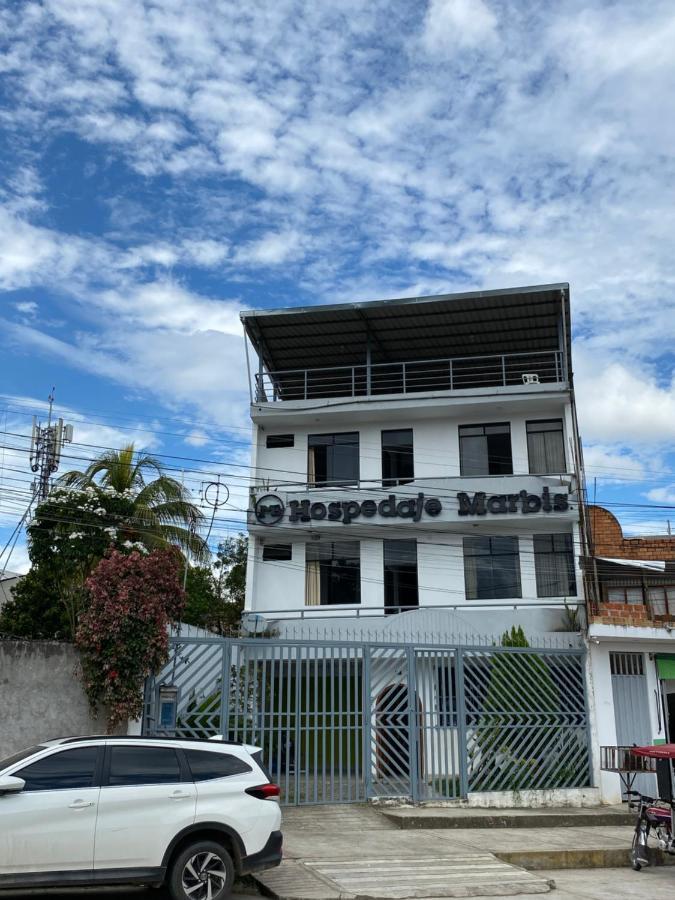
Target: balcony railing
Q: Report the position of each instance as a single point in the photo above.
(452, 374)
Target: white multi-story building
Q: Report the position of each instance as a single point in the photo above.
(414, 456)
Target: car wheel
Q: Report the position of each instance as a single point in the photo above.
(202, 871)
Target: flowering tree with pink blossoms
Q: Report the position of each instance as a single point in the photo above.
(123, 635)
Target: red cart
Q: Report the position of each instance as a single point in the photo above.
(654, 814)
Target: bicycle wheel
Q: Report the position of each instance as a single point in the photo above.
(639, 851)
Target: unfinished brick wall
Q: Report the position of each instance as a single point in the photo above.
(608, 539)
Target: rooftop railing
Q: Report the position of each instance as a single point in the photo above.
(413, 377)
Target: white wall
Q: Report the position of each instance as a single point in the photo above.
(436, 444)
(600, 688)
(280, 586)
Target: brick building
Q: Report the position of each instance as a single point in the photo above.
(631, 629)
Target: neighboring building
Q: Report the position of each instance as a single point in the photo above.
(631, 612)
(415, 455)
(7, 581)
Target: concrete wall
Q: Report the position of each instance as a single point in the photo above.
(40, 695)
(436, 443)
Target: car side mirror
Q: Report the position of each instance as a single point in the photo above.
(11, 785)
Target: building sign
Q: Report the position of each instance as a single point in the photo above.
(523, 502)
(271, 509)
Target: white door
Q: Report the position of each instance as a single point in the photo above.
(50, 825)
(144, 803)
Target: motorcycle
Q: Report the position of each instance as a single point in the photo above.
(655, 815)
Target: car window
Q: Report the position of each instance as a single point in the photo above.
(258, 757)
(72, 769)
(205, 765)
(143, 765)
(20, 756)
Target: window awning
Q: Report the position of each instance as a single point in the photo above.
(656, 565)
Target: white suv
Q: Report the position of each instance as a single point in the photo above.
(135, 810)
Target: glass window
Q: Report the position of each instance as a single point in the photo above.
(485, 449)
(277, 552)
(491, 568)
(205, 765)
(625, 594)
(546, 447)
(333, 459)
(72, 769)
(400, 575)
(446, 687)
(275, 441)
(143, 765)
(19, 756)
(397, 457)
(662, 600)
(333, 573)
(554, 565)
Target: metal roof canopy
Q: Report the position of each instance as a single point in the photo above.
(477, 323)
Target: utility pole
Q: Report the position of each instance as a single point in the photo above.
(45, 450)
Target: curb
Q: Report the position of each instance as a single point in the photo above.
(504, 820)
(607, 858)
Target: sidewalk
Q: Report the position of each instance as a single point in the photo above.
(333, 852)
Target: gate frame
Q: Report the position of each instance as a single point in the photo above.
(415, 721)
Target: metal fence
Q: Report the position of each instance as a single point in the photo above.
(415, 376)
(344, 722)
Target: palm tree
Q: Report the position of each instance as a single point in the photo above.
(163, 512)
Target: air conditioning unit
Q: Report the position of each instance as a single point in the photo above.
(530, 378)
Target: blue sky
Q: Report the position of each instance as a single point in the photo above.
(165, 164)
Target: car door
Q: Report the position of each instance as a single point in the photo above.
(147, 797)
(49, 826)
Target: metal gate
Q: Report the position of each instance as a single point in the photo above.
(346, 722)
(631, 708)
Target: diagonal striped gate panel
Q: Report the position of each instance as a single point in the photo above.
(526, 720)
(345, 722)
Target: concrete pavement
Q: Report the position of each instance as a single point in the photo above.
(656, 883)
(333, 852)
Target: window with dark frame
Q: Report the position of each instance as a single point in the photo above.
(333, 459)
(277, 552)
(400, 575)
(546, 447)
(143, 765)
(333, 573)
(398, 465)
(491, 568)
(446, 693)
(277, 441)
(206, 765)
(485, 449)
(70, 769)
(554, 565)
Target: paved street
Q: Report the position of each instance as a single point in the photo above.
(657, 883)
(103, 893)
(572, 884)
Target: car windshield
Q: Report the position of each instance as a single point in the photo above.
(19, 757)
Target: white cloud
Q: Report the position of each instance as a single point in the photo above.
(622, 401)
(197, 438)
(662, 494)
(452, 23)
(272, 249)
(612, 465)
(27, 308)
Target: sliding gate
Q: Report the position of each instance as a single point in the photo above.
(348, 722)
